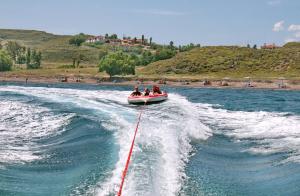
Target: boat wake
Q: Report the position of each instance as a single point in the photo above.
(270, 132)
(161, 151)
(164, 141)
(22, 126)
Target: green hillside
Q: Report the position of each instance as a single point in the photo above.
(28, 37)
(55, 49)
(211, 61)
(231, 61)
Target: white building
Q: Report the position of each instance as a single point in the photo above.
(99, 38)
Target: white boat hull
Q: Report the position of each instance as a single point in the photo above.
(147, 99)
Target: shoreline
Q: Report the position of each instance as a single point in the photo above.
(232, 84)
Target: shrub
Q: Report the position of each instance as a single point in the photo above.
(77, 40)
(5, 61)
(33, 59)
(118, 63)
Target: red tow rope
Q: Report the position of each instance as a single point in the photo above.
(130, 153)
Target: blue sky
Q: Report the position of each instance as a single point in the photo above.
(208, 22)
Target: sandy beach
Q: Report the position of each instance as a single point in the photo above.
(255, 84)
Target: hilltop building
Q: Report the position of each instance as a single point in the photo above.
(99, 38)
(123, 42)
(113, 41)
(269, 46)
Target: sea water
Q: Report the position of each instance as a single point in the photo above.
(64, 139)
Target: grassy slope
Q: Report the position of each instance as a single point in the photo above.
(53, 73)
(235, 62)
(206, 62)
(55, 48)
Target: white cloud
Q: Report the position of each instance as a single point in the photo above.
(160, 12)
(278, 26)
(274, 2)
(294, 27)
(297, 34)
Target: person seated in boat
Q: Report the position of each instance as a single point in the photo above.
(156, 90)
(136, 92)
(146, 92)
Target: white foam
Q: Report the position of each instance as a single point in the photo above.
(272, 132)
(21, 125)
(161, 151)
(163, 141)
(165, 133)
(81, 98)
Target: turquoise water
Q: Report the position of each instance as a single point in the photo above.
(64, 139)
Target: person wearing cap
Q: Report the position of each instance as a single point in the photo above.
(136, 92)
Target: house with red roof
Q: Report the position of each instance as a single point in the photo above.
(269, 46)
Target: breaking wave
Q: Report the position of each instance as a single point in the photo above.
(22, 125)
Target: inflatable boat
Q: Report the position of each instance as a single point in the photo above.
(148, 99)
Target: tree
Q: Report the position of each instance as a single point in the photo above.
(118, 63)
(171, 44)
(146, 58)
(5, 61)
(33, 56)
(21, 57)
(114, 36)
(38, 59)
(164, 53)
(143, 39)
(248, 46)
(77, 58)
(14, 49)
(106, 36)
(33, 59)
(77, 40)
(150, 40)
(80, 58)
(255, 46)
(28, 57)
